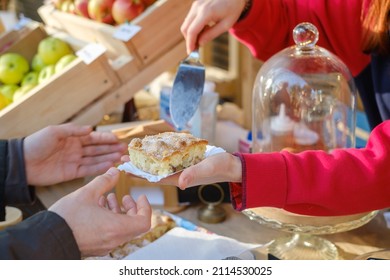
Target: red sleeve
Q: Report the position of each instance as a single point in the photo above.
(343, 182)
(268, 28)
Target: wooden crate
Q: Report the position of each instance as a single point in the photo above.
(64, 95)
(7, 39)
(160, 32)
(159, 46)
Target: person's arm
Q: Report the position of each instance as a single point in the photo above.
(83, 223)
(267, 28)
(3, 164)
(43, 236)
(17, 190)
(345, 181)
(314, 182)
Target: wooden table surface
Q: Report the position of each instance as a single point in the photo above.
(373, 236)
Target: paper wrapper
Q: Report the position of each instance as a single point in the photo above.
(183, 244)
(130, 168)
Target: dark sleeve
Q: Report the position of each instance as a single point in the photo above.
(43, 236)
(3, 168)
(17, 190)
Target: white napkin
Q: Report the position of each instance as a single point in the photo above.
(130, 168)
(183, 244)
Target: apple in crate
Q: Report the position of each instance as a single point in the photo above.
(8, 91)
(81, 8)
(30, 78)
(4, 102)
(127, 10)
(148, 2)
(57, 3)
(13, 67)
(51, 49)
(101, 10)
(46, 73)
(23, 90)
(37, 63)
(63, 62)
(68, 7)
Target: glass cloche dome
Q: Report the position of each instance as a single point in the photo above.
(304, 97)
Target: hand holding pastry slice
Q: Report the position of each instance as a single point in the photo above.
(159, 156)
(219, 167)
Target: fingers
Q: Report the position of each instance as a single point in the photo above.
(190, 36)
(214, 169)
(209, 33)
(102, 201)
(195, 26)
(94, 169)
(103, 183)
(113, 204)
(139, 214)
(71, 129)
(104, 148)
(109, 157)
(129, 205)
(187, 177)
(96, 137)
(143, 207)
(171, 180)
(125, 158)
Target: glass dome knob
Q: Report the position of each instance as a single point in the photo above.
(305, 35)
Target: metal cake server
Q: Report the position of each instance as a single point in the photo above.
(187, 90)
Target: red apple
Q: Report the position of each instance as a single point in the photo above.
(126, 10)
(100, 10)
(148, 3)
(81, 8)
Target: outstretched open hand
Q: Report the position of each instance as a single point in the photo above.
(60, 153)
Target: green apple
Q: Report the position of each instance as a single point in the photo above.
(13, 66)
(51, 49)
(22, 91)
(8, 91)
(46, 73)
(68, 7)
(37, 63)
(64, 61)
(4, 102)
(57, 3)
(30, 78)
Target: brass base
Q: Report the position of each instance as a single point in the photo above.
(211, 214)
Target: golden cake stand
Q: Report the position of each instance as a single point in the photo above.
(303, 244)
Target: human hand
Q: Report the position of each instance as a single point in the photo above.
(222, 167)
(98, 223)
(60, 153)
(207, 19)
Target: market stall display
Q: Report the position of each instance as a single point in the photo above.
(127, 62)
(63, 94)
(146, 39)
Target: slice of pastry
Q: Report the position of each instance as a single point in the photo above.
(167, 152)
(161, 224)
